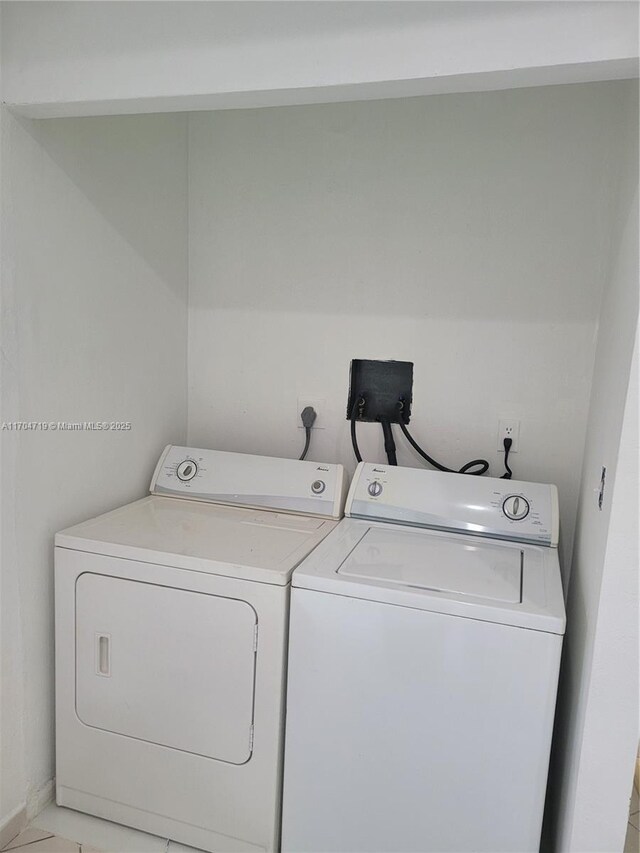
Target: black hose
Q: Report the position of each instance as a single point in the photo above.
(354, 440)
(481, 464)
(389, 443)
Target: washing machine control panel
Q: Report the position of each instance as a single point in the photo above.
(502, 509)
(240, 479)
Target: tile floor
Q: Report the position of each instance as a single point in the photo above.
(59, 830)
(632, 841)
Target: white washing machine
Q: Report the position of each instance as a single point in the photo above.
(424, 651)
(171, 628)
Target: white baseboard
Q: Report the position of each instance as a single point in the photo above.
(38, 800)
(12, 825)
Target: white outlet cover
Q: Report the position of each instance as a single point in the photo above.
(508, 427)
(319, 404)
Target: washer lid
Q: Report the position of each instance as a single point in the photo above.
(441, 564)
(451, 573)
(241, 543)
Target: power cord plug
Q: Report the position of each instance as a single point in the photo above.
(308, 417)
(507, 447)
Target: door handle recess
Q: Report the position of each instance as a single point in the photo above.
(103, 654)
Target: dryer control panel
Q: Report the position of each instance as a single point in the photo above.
(502, 509)
(240, 479)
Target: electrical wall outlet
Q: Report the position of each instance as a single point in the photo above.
(508, 428)
(320, 407)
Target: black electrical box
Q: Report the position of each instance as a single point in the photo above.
(380, 390)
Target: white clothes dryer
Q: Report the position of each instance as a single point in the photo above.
(424, 651)
(171, 627)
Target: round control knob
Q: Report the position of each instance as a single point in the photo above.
(375, 488)
(187, 470)
(318, 487)
(516, 507)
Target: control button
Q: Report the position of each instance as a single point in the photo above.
(318, 487)
(187, 470)
(375, 488)
(516, 507)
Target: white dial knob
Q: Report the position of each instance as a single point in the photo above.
(187, 470)
(375, 488)
(516, 507)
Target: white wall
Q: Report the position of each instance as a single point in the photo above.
(93, 329)
(70, 58)
(597, 730)
(465, 233)
(12, 757)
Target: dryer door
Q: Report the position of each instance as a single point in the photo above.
(168, 666)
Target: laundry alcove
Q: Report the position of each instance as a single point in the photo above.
(191, 275)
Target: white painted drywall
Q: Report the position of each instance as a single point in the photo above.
(465, 233)
(70, 58)
(597, 729)
(93, 329)
(12, 753)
